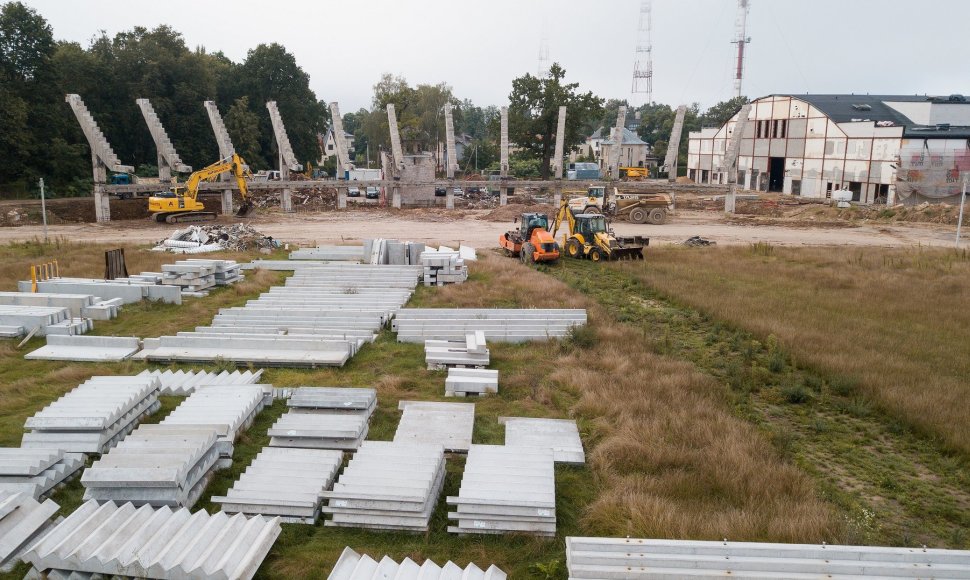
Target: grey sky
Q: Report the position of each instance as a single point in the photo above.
(820, 46)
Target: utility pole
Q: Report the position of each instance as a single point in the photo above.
(963, 199)
(43, 210)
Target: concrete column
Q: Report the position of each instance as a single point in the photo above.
(396, 197)
(731, 198)
(503, 196)
(557, 196)
(504, 143)
(164, 171)
(102, 206)
(226, 202)
(450, 198)
(341, 198)
(286, 200)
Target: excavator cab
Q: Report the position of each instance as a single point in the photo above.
(590, 224)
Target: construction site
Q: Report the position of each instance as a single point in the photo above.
(745, 357)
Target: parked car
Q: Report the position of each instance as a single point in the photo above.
(440, 192)
(372, 193)
(459, 192)
(474, 189)
(353, 192)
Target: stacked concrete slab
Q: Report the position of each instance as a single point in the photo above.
(86, 348)
(559, 435)
(498, 324)
(93, 416)
(388, 486)
(247, 349)
(506, 490)
(443, 267)
(128, 290)
(112, 540)
(159, 465)
(78, 305)
(465, 382)
(471, 352)
(287, 483)
(182, 383)
(320, 430)
(360, 401)
(22, 521)
(330, 253)
(190, 277)
(643, 558)
(447, 424)
(392, 252)
(35, 471)
(354, 566)
(17, 320)
(227, 409)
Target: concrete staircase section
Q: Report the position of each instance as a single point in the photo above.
(388, 486)
(226, 148)
(184, 383)
(464, 382)
(22, 521)
(145, 542)
(86, 348)
(320, 430)
(286, 483)
(447, 424)
(343, 158)
(452, 151)
(229, 409)
(166, 151)
(36, 472)
(559, 435)
(646, 558)
(673, 145)
(498, 324)
(347, 400)
(506, 490)
(354, 566)
(96, 139)
(93, 416)
(282, 141)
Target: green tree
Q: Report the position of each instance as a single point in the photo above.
(720, 113)
(656, 123)
(534, 113)
(243, 127)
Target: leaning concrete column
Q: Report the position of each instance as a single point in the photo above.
(450, 199)
(730, 158)
(287, 158)
(341, 198)
(557, 162)
(503, 196)
(226, 149)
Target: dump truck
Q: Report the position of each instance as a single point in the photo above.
(532, 242)
(631, 205)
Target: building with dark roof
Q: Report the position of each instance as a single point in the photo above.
(884, 148)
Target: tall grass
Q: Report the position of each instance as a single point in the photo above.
(892, 323)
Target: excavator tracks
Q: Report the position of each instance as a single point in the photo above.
(182, 218)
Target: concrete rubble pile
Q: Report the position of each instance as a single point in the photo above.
(36, 472)
(506, 490)
(388, 486)
(16, 321)
(78, 305)
(559, 435)
(22, 521)
(330, 253)
(464, 382)
(354, 566)
(443, 267)
(86, 348)
(228, 409)
(159, 465)
(93, 416)
(182, 383)
(125, 541)
(471, 352)
(215, 238)
(447, 424)
(647, 558)
(286, 483)
(321, 430)
(347, 400)
(498, 324)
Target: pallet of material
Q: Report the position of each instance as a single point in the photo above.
(183, 383)
(159, 465)
(321, 430)
(228, 409)
(86, 348)
(122, 540)
(36, 471)
(464, 382)
(560, 435)
(283, 482)
(22, 521)
(447, 424)
(648, 558)
(506, 490)
(388, 486)
(360, 401)
(354, 566)
(93, 416)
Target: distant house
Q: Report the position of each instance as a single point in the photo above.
(329, 145)
(634, 152)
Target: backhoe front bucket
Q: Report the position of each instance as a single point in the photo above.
(628, 253)
(244, 209)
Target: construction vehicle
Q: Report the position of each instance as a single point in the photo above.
(179, 206)
(532, 242)
(635, 206)
(634, 173)
(590, 237)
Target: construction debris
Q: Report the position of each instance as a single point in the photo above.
(559, 435)
(463, 382)
(498, 324)
(447, 424)
(215, 238)
(22, 520)
(36, 471)
(353, 566)
(697, 241)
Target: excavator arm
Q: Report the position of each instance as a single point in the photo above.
(233, 164)
(564, 214)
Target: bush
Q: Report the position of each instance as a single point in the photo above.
(796, 394)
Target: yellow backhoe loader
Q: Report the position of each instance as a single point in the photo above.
(183, 206)
(589, 237)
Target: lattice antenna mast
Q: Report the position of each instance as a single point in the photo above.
(643, 57)
(741, 38)
(542, 70)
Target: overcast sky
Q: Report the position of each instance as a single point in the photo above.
(819, 46)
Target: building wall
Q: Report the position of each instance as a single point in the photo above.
(932, 169)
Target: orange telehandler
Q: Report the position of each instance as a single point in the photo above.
(532, 242)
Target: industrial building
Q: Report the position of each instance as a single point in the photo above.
(884, 148)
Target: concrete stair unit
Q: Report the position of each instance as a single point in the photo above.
(287, 483)
(228, 409)
(145, 542)
(22, 521)
(185, 382)
(36, 472)
(319, 430)
(447, 424)
(354, 566)
(347, 400)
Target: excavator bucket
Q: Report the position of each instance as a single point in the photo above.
(244, 209)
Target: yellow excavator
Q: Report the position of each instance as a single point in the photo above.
(183, 206)
(589, 237)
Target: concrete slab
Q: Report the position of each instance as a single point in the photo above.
(86, 348)
(559, 435)
(447, 424)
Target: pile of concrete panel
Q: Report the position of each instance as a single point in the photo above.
(506, 490)
(447, 424)
(17, 321)
(498, 324)
(22, 521)
(321, 430)
(465, 382)
(128, 290)
(228, 409)
(184, 383)
(388, 486)
(354, 566)
(560, 435)
(160, 465)
(35, 471)
(392, 252)
(638, 558)
(330, 253)
(93, 416)
(79, 305)
(227, 272)
(471, 352)
(197, 275)
(86, 348)
(443, 267)
(125, 541)
(247, 349)
(361, 401)
(287, 483)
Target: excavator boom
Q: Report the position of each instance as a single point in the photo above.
(184, 206)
